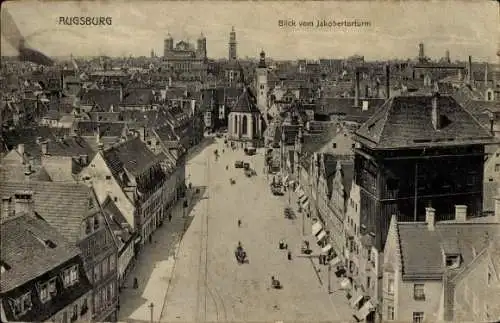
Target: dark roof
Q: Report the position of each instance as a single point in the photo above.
(24, 249)
(347, 174)
(406, 122)
(63, 205)
(115, 220)
(106, 129)
(105, 116)
(166, 133)
(245, 103)
(463, 238)
(345, 107)
(137, 97)
(69, 147)
(132, 155)
(103, 99)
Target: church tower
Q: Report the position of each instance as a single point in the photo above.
(168, 46)
(202, 46)
(261, 84)
(232, 45)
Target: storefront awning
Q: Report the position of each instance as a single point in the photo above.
(326, 248)
(303, 199)
(364, 311)
(321, 235)
(356, 299)
(316, 227)
(345, 283)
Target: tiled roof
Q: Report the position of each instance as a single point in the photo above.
(116, 219)
(69, 147)
(104, 99)
(345, 107)
(132, 155)
(62, 205)
(347, 174)
(137, 97)
(422, 249)
(405, 121)
(24, 250)
(246, 103)
(17, 172)
(106, 129)
(105, 116)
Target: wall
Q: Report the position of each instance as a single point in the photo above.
(97, 171)
(86, 317)
(472, 291)
(59, 168)
(124, 260)
(431, 306)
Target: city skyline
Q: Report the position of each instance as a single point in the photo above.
(137, 29)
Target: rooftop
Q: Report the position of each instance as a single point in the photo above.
(30, 247)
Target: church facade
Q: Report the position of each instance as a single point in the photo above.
(185, 60)
(245, 124)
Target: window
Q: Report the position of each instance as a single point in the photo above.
(43, 289)
(97, 273)
(452, 261)
(112, 263)
(84, 308)
(418, 292)
(418, 317)
(97, 302)
(368, 282)
(353, 145)
(369, 255)
(390, 313)
(74, 317)
(105, 266)
(70, 276)
(390, 286)
(22, 304)
(96, 222)
(108, 177)
(334, 145)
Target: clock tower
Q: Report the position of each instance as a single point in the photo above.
(262, 86)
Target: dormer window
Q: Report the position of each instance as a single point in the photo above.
(453, 261)
(22, 305)
(70, 276)
(47, 290)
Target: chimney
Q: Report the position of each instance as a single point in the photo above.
(469, 70)
(387, 81)
(20, 150)
(45, 146)
(461, 213)
(435, 114)
(430, 218)
(23, 202)
(6, 207)
(356, 90)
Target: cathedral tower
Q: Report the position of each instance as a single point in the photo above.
(232, 45)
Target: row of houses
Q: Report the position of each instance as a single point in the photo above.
(399, 202)
(103, 196)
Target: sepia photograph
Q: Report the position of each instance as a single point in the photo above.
(250, 161)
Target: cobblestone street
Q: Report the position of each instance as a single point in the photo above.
(204, 282)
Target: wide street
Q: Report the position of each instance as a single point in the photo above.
(199, 279)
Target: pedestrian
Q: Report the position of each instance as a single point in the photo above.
(289, 255)
(170, 217)
(136, 283)
(239, 223)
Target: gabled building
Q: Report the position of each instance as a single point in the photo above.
(74, 211)
(438, 285)
(42, 274)
(133, 177)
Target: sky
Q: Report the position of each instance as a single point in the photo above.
(396, 28)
